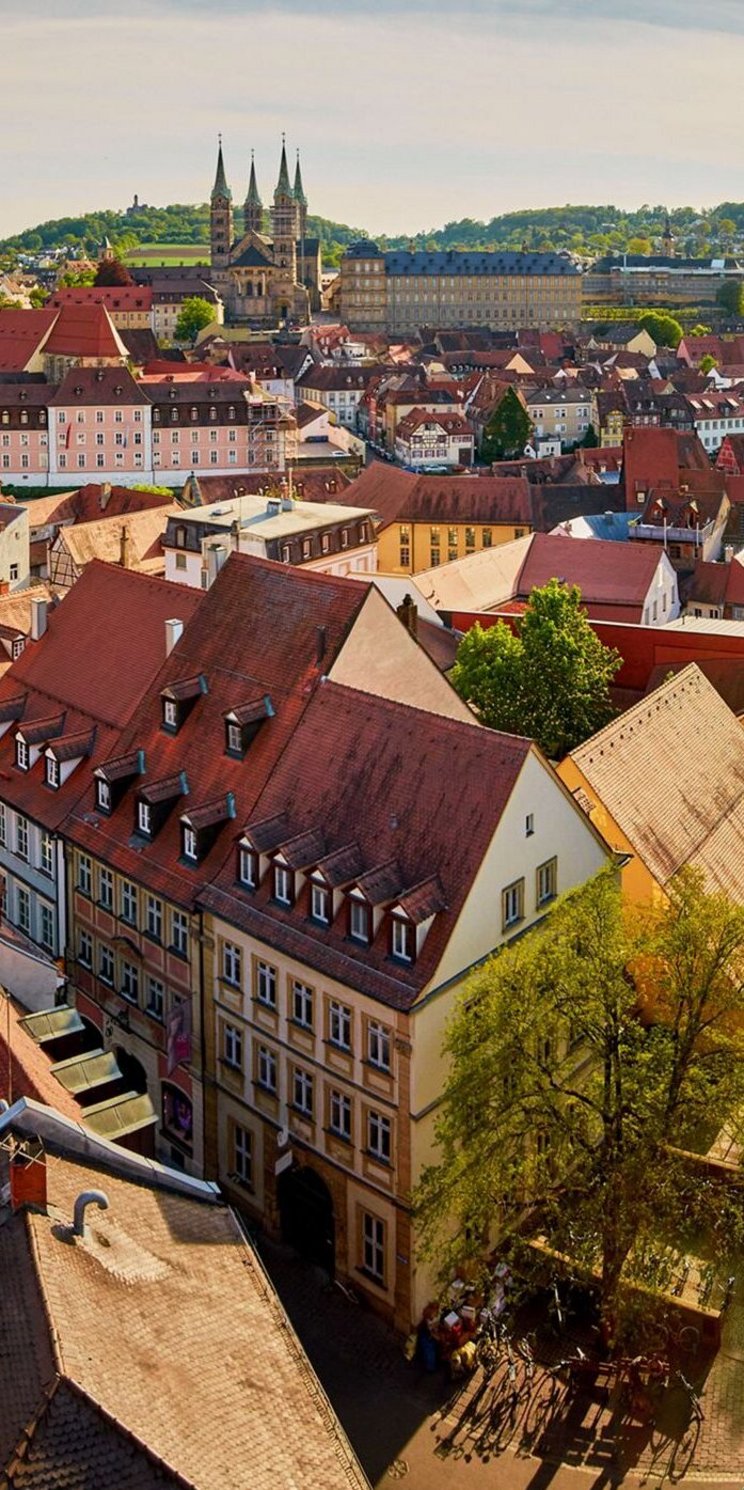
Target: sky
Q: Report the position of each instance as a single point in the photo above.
(408, 113)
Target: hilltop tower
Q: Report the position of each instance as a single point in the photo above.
(220, 216)
(667, 241)
(253, 206)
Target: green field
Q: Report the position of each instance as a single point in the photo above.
(149, 255)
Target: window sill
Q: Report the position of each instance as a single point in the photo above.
(340, 1049)
(339, 1137)
(230, 1065)
(370, 1277)
(377, 1159)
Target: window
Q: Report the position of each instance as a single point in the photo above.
(234, 738)
(404, 546)
(23, 909)
(547, 881)
(154, 918)
(302, 1004)
(13, 571)
(403, 940)
(190, 844)
(266, 984)
(283, 884)
(373, 1246)
(378, 1136)
(339, 1115)
(84, 875)
(130, 982)
(320, 905)
(180, 932)
(529, 825)
(232, 1047)
(103, 796)
(128, 902)
(46, 933)
(248, 868)
(180, 561)
(302, 1093)
(85, 949)
(105, 889)
(46, 854)
(144, 818)
(339, 1025)
(170, 713)
(243, 1155)
(378, 1045)
(106, 965)
(266, 1069)
(512, 904)
(3, 826)
(232, 964)
(359, 921)
(21, 754)
(155, 998)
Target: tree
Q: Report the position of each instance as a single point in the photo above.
(37, 297)
(663, 329)
(111, 272)
(507, 429)
(639, 246)
(591, 439)
(195, 314)
(72, 278)
(550, 680)
(700, 330)
(731, 297)
(707, 363)
(587, 1061)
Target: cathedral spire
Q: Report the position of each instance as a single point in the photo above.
(299, 191)
(253, 199)
(283, 185)
(221, 188)
(253, 206)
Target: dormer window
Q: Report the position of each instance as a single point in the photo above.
(243, 724)
(144, 818)
(178, 699)
(283, 885)
(248, 867)
(190, 845)
(234, 739)
(194, 413)
(21, 754)
(103, 796)
(52, 771)
(180, 537)
(360, 921)
(402, 940)
(170, 713)
(320, 904)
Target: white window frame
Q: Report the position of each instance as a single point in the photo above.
(339, 1115)
(378, 1045)
(266, 1069)
(303, 1092)
(266, 981)
(303, 1001)
(232, 1046)
(379, 1136)
(339, 1025)
(373, 1246)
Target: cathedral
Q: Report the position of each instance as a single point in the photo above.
(264, 281)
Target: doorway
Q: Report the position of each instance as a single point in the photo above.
(306, 1212)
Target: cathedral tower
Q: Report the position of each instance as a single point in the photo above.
(301, 200)
(253, 206)
(220, 216)
(284, 222)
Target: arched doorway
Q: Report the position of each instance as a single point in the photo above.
(306, 1211)
(132, 1070)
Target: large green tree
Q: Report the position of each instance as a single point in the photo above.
(196, 313)
(731, 297)
(507, 430)
(550, 680)
(586, 1061)
(664, 330)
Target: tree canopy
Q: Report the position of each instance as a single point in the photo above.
(549, 680)
(731, 297)
(587, 1061)
(196, 313)
(112, 272)
(664, 330)
(507, 430)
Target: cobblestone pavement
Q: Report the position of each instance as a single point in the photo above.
(407, 1424)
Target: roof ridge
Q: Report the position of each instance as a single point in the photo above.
(446, 721)
(18, 1454)
(669, 685)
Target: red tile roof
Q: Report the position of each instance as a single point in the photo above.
(604, 576)
(24, 1069)
(21, 334)
(404, 789)
(84, 331)
(115, 298)
(399, 496)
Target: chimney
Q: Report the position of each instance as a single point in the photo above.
(408, 613)
(125, 554)
(728, 553)
(28, 1180)
(320, 644)
(105, 496)
(173, 634)
(39, 612)
(216, 556)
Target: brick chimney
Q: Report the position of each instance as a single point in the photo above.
(125, 556)
(28, 1177)
(408, 613)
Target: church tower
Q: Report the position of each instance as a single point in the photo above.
(252, 206)
(284, 222)
(220, 216)
(301, 200)
(667, 242)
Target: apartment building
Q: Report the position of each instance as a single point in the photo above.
(400, 291)
(564, 414)
(323, 536)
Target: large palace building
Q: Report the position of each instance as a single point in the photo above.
(403, 290)
(264, 281)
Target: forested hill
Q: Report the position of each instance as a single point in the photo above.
(589, 230)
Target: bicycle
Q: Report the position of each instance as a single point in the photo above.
(673, 1334)
(684, 1450)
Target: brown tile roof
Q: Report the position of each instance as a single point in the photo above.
(725, 673)
(671, 773)
(25, 1071)
(90, 504)
(21, 334)
(399, 791)
(84, 331)
(399, 496)
(163, 1287)
(114, 297)
(101, 540)
(87, 386)
(603, 576)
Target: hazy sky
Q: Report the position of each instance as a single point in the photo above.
(409, 113)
